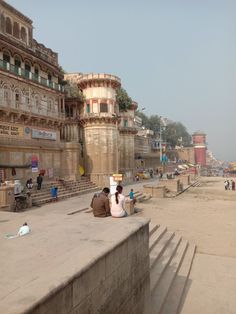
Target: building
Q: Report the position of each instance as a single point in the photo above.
(106, 134)
(199, 143)
(32, 108)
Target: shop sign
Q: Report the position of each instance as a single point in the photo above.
(11, 130)
(34, 163)
(45, 135)
(117, 177)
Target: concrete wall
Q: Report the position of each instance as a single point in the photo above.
(117, 282)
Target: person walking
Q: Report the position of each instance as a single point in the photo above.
(118, 203)
(39, 181)
(100, 204)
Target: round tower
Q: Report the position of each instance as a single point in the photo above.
(127, 131)
(199, 142)
(100, 119)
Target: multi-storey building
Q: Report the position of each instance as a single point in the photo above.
(31, 100)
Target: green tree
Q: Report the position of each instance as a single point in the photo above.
(175, 133)
(72, 90)
(123, 100)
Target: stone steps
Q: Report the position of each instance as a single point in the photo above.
(61, 190)
(66, 190)
(170, 264)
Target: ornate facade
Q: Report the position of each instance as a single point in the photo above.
(31, 98)
(40, 130)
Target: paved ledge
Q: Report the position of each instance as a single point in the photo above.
(59, 248)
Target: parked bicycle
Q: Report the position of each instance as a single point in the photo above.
(21, 202)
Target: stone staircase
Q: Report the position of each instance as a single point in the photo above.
(171, 259)
(67, 189)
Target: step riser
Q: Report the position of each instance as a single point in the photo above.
(60, 193)
(162, 250)
(173, 277)
(163, 265)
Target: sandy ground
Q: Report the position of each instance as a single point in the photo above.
(206, 216)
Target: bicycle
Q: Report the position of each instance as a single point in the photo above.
(20, 202)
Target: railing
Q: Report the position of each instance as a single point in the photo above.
(29, 108)
(29, 75)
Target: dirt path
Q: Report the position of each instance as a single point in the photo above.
(205, 215)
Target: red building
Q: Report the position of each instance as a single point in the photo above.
(199, 142)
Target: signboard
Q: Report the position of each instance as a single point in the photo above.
(113, 185)
(45, 135)
(11, 130)
(34, 163)
(117, 177)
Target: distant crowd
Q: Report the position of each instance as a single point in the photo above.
(229, 185)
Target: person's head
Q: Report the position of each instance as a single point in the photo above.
(119, 190)
(106, 191)
(25, 224)
(132, 190)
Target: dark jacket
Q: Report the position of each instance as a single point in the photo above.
(39, 179)
(100, 205)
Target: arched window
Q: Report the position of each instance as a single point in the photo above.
(36, 73)
(17, 65)
(27, 69)
(8, 26)
(6, 59)
(49, 104)
(16, 30)
(23, 34)
(2, 22)
(17, 98)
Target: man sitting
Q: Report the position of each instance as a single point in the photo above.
(100, 204)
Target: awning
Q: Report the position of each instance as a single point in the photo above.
(7, 166)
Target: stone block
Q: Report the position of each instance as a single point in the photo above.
(88, 281)
(155, 190)
(116, 257)
(84, 307)
(58, 303)
(129, 207)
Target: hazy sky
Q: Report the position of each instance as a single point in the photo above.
(176, 58)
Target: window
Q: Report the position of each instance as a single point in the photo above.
(23, 34)
(27, 70)
(6, 57)
(125, 123)
(2, 22)
(87, 108)
(36, 73)
(8, 26)
(17, 62)
(103, 107)
(16, 30)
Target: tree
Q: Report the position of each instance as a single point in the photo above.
(176, 133)
(123, 100)
(72, 90)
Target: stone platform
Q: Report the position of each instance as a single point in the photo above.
(73, 264)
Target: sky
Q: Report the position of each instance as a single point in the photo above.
(176, 58)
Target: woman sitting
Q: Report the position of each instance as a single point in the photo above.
(118, 203)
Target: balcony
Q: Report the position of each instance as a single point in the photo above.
(30, 76)
(16, 106)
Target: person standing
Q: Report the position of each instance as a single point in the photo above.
(100, 204)
(233, 185)
(118, 203)
(39, 181)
